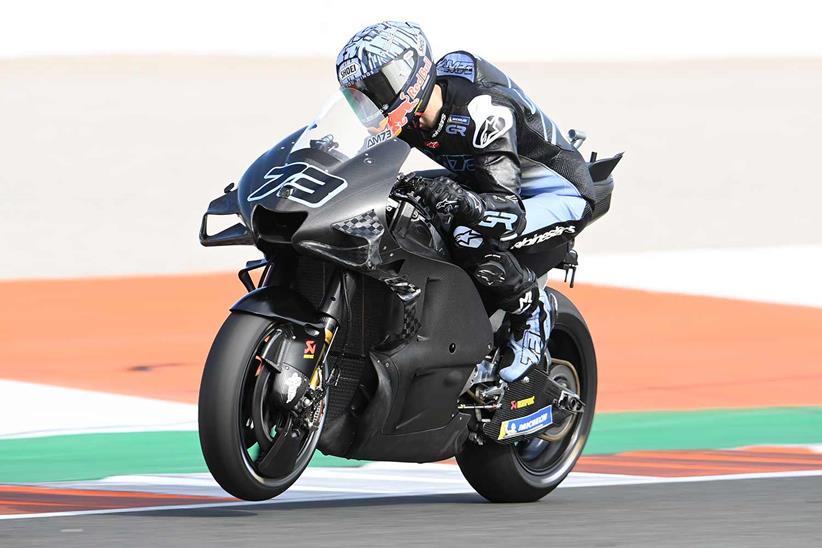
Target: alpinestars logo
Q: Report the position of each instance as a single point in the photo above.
(465, 237)
(539, 238)
(491, 121)
(524, 302)
(301, 183)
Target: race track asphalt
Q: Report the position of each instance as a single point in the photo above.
(755, 512)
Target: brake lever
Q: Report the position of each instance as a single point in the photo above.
(406, 182)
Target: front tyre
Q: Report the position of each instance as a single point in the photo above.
(230, 445)
(528, 470)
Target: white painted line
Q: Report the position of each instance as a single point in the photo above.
(74, 411)
(778, 274)
(178, 507)
(575, 480)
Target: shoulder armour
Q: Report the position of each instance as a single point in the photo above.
(458, 63)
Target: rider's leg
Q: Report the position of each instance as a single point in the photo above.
(555, 213)
(552, 220)
(507, 285)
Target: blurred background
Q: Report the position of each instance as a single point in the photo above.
(119, 121)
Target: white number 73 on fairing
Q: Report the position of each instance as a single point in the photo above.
(310, 185)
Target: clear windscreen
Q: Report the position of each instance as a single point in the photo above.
(347, 126)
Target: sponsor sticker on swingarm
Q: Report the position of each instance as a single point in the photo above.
(519, 404)
(526, 425)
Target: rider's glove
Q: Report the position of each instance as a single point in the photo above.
(447, 197)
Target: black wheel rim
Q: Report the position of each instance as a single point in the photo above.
(256, 439)
(543, 458)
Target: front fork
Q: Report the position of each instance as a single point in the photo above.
(334, 307)
(331, 313)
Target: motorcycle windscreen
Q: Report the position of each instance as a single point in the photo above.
(336, 179)
(348, 126)
(347, 131)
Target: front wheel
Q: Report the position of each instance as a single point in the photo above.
(528, 470)
(239, 427)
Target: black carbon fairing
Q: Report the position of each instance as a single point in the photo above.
(527, 408)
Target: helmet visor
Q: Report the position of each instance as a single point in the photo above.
(385, 85)
(369, 115)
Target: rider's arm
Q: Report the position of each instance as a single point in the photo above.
(496, 175)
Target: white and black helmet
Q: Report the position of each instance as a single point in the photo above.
(391, 64)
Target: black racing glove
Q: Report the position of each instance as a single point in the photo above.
(447, 197)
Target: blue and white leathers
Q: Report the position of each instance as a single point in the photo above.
(498, 143)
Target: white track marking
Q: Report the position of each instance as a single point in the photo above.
(63, 411)
(321, 485)
(781, 275)
(338, 495)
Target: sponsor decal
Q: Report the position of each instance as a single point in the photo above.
(293, 382)
(457, 119)
(422, 77)
(525, 301)
(494, 218)
(380, 137)
(301, 183)
(526, 425)
(432, 144)
(539, 238)
(492, 121)
(439, 127)
(349, 70)
(466, 237)
(453, 129)
(310, 349)
(458, 68)
(398, 117)
(520, 404)
(456, 64)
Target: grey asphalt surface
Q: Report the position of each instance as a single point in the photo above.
(758, 512)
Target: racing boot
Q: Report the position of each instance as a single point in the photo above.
(527, 343)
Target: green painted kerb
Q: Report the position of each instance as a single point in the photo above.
(91, 456)
(709, 429)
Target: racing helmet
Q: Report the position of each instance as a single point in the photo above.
(391, 65)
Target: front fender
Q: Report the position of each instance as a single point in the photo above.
(279, 303)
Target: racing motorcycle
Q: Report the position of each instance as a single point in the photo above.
(359, 337)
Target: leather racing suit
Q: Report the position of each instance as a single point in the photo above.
(534, 190)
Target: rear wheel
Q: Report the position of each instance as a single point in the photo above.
(528, 470)
(238, 425)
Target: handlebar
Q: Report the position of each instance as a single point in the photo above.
(406, 191)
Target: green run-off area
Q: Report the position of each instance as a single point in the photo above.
(93, 456)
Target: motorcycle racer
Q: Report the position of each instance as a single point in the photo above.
(516, 185)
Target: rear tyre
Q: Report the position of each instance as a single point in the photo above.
(527, 471)
(227, 436)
